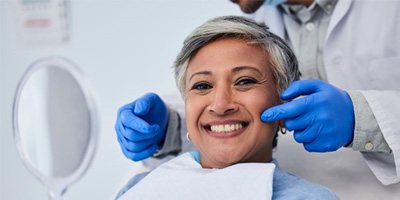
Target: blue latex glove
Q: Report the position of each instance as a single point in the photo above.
(141, 126)
(323, 120)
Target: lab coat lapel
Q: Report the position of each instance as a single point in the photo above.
(272, 17)
(341, 9)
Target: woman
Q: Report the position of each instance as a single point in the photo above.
(229, 70)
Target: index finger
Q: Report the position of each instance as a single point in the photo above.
(134, 122)
(302, 87)
(287, 110)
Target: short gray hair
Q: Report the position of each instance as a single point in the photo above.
(282, 59)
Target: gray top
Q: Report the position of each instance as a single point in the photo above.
(306, 29)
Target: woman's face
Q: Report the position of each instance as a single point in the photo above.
(228, 84)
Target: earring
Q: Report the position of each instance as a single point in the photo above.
(282, 130)
(187, 137)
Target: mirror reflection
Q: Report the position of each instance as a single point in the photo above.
(54, 123)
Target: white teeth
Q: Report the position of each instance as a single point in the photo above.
(226, 128)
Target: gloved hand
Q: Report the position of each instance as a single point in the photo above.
(141, 126)
(323, 120)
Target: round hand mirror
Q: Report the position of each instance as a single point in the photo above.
(55, 123)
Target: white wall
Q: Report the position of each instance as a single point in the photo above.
(126, 48)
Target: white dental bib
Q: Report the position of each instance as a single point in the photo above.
(184, 178)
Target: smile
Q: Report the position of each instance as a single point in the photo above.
(226, 129)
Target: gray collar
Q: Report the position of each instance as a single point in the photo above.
(303, 13)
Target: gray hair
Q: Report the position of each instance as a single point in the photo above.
(282, 59)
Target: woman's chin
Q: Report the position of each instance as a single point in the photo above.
(222, 160)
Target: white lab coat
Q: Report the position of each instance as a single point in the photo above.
(362, 52)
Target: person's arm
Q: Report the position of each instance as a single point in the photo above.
(386, 110)
(368, 136)
(325, 119)
(172, 144)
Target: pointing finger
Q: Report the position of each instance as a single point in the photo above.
(145, 103)
(134, 122)
(301, 88)
(287, 110)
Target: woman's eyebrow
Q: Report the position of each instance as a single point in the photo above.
(241, 68)
(200, 73)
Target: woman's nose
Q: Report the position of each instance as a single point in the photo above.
(223, 103)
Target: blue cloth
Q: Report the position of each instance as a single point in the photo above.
(285, 186)
(290, 187)
(196, 156)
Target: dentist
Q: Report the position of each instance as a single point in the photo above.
(351, 46)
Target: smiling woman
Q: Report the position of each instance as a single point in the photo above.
(229, 70)
(230, 84)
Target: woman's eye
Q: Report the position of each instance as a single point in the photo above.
(201, 86)
(246, 81)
